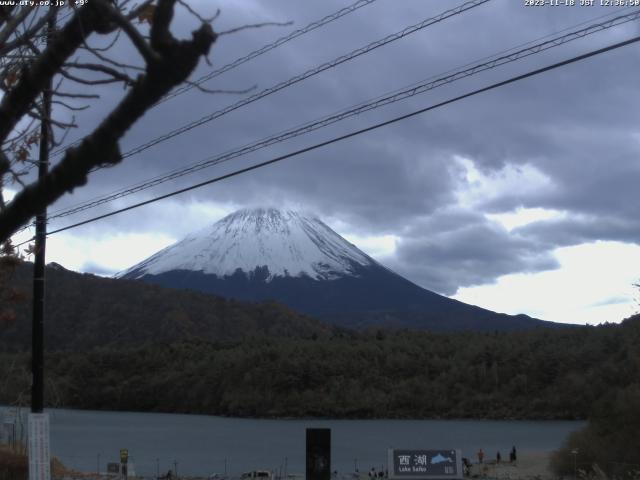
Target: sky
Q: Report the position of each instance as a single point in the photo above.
(522, 199)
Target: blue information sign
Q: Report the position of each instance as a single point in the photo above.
(427, 464)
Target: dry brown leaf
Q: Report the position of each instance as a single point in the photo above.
(11, 79)
(22, 154)
(16, 295)
(146, 14)
(33, 139)
(31, 249)
(7, 316)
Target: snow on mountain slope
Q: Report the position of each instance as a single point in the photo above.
(265, 254)
(288, 243)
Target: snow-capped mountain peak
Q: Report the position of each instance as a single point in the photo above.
(295, 259)
(287, 243)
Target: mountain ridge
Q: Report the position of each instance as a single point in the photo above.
(265, 254)
(287, 242)
(84, 311)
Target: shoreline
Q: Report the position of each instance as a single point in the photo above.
(529, 465)
(548, 418)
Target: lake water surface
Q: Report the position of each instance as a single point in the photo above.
(202, 445)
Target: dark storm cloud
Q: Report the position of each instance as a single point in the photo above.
(580, 229)
(456, 249)
(577, 126)
(397, 184)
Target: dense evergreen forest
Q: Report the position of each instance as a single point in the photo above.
(138, 348)
(610, 443)
(536, 374)
(85, 311)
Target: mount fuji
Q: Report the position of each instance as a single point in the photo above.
(267, 254)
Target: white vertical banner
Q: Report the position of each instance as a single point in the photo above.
(8, 426)
(39, 457)
(4, 427)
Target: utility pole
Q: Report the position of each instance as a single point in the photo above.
(38, 437)
(37, 334)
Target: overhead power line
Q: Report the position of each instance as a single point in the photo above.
(250, 56)
(344, 58)
(309, 73)
(256, 53)
(355, 133)
(393, 97)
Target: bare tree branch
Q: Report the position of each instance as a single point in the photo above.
(15, 177)
(100, 81)
(255, 25)
(57, 143)
(69, 107)
(75, 95)
(13, 23)
(29, 34)
(5, 165)
(176, 60)
(5, 13)
(161, 37)
(136, 11)
(108, 46)
(16, 103)
(97, 67)
(21, 133)
(110, 61)
(217, 91)
(197, 15)
(57, 123)
(134, 35)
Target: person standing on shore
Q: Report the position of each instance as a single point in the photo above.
(512, 455)
(498, 457)
(480, 456)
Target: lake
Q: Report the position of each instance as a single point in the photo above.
(201, 445)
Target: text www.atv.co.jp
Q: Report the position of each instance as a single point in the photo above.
(41, 3)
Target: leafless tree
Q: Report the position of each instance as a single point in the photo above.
(70, 57)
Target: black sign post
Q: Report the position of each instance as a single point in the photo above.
(318, 454)
(425, 464)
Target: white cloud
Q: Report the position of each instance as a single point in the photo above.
(477, 187)
(523, 216)
(378, 247)
(98, 250)
(111, 253)
(8, 194)
(593, 285)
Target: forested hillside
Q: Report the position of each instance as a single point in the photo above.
(610, 440)
(536, 374)
(85, 311)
